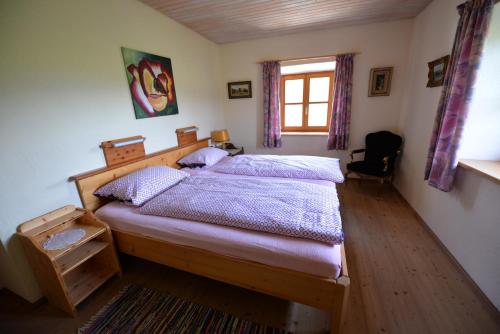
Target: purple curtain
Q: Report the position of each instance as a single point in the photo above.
(338, 136)
(457, 90)
(271, 74)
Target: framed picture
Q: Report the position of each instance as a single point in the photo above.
(437, 70)
(380, 81)
(151, 83)
(239, 90)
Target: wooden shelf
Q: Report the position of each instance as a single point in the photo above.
(67, 276)
(85, 279)
(47, 225)
(91, 232)
(79, 255)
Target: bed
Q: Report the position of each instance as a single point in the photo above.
(291, 253)
(316, 275)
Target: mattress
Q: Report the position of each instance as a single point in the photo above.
(303, 255)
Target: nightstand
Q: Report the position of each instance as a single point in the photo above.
(69, 272)
(235, 151)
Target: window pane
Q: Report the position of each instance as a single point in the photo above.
(293, 115)
(317, 114)
(306, 68)
(294, 90)
(319, 89)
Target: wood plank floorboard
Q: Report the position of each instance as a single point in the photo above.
(402, 282)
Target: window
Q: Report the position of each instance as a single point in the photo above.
(481, 134)
(480, 146)
(306, 101)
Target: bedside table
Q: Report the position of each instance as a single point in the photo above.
(69, 273)
(235, 151)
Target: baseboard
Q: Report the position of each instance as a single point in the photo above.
(451, 256)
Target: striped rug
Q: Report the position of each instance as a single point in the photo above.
(141, 310)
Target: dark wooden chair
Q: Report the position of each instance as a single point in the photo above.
(381, 151)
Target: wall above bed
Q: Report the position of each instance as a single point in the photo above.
(67, 92)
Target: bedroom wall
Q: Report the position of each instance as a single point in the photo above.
(382, 44)
(466, 220)
(63, 90)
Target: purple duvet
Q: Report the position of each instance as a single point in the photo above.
(291, 208)
(289, 166)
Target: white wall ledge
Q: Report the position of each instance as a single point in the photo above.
(487, 168)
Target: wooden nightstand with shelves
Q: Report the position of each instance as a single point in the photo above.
(70, 274)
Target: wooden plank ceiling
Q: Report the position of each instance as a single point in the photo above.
(225, 21)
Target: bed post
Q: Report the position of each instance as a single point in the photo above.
(340, 296)
(339, 305)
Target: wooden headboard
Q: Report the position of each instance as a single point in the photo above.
(87, 183)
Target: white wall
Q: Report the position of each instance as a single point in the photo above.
(383, 44)
(63, 90)
(466, 219)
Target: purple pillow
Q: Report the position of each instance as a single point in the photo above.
(207, 156)
(140, 186)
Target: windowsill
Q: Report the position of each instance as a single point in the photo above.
(304, 133)
(487, 168)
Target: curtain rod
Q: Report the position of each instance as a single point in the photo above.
(311, 58)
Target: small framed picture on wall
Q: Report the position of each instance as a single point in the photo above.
(380, 81)
(437, 70)
(239, 90)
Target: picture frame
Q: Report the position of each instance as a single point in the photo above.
(239, 89)
(437, 71)
(380, 81)
(151, 81)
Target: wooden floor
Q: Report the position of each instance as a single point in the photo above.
(402, 282)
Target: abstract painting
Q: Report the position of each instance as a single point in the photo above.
(151, 83)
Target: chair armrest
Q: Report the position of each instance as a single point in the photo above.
(388, 158)
(386, 163)
(361, 150)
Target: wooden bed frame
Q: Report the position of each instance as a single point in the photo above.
(316, 291)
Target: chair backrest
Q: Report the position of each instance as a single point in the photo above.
(381, 144)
